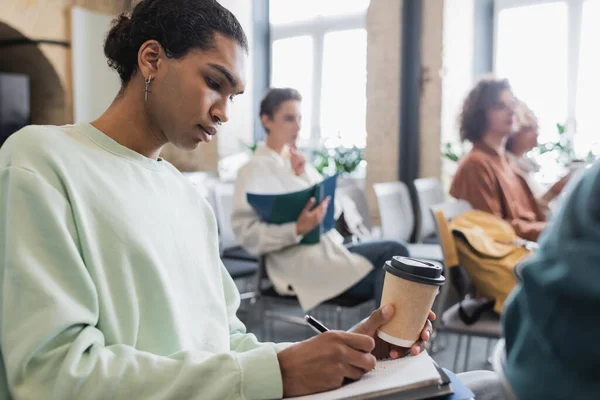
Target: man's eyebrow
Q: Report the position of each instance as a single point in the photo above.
(230, 78)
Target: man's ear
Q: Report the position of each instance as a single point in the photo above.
(266, 121)
(150, 57)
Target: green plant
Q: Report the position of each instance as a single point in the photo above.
(590, 157)
(345, 159)
(348, 159)
(453, 151)
(562, 148)
(320, 160)
(252, 147)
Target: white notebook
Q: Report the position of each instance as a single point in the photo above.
(390, 376)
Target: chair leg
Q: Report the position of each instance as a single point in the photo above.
(437, 343)
(431, 345)
(443, 340)
(457, 353)
(271, 329)
(467, 354)
(268, 321)
(265, 328)
(261, 318)
(488, 348)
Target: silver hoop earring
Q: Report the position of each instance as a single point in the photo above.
(148, 81)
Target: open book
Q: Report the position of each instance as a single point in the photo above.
(286, 207)
(408, 378)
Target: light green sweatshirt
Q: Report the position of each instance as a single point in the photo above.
(111, 285)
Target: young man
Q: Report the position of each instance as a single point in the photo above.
(111, 281)
(313, 273)
(485, 177)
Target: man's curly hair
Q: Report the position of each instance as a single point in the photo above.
(473, 118)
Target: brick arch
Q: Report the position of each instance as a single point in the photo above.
(48, 100)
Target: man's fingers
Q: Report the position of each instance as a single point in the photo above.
(309, 205)
(431, 316)
(323, 209)
(417, 348)
(353, 373)
(427, 331)
(358, 341)
(364, 361)
(375, 320)
(397, 352)
(320, 210)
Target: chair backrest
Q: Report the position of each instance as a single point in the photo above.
(441, 214)
(429, 193)
(205, 183)
(223, 209)
(395, 210)
(353, 191)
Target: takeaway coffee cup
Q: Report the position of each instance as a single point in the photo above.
(411, 286)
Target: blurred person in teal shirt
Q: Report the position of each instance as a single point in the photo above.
(550, 323)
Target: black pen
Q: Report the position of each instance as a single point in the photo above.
(315, 324)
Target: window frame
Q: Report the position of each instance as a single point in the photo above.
(574, 21)
(317, 28)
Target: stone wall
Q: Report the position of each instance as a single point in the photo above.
(431, 94)
(383, 95)
(384, 69)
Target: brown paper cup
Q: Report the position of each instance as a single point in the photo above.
(412, 302)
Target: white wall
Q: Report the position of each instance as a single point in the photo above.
(457, 73)
(240, 127)
(95, 85)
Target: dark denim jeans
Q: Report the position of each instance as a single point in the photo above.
(377, 252)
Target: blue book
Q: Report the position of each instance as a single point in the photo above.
(286, 207)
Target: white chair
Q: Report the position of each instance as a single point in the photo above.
(205, 184)
(223, 193)
(398, 219)
(429, 193)
(347, 187)
(239, 263)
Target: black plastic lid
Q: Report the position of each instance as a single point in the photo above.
(415, 270)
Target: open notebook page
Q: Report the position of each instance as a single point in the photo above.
(406, 373)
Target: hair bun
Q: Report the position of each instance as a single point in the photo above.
(118, 46)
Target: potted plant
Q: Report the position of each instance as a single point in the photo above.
(343, 160)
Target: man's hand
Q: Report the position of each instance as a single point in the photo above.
(384, 349)
(297, 160)
(311, 217)
(322, 362)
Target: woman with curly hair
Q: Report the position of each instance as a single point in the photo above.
(485, 177)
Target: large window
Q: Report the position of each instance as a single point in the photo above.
(547, 49)
(320, 48)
